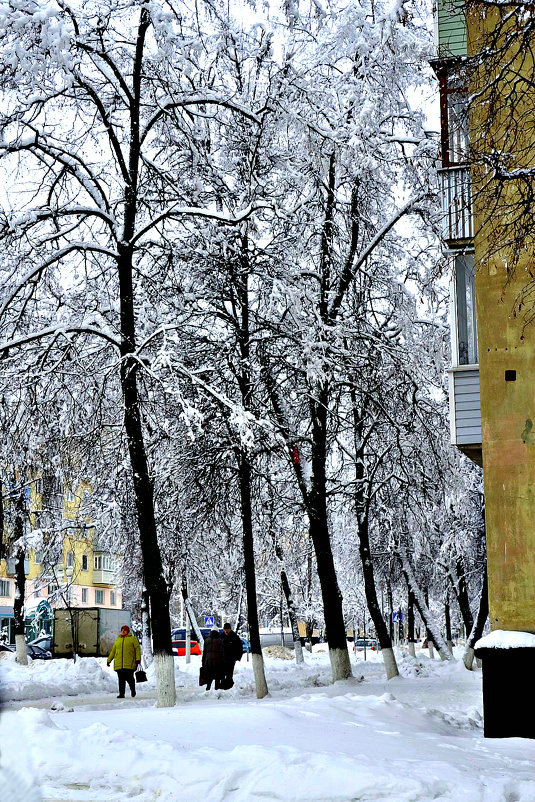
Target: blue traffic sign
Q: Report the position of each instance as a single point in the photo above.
(397, 617)
(208, 620)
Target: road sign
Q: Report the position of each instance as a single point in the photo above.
(208, 620)
(397, 617)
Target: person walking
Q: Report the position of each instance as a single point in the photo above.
(126, 656)
(213, 660)
(233, 651)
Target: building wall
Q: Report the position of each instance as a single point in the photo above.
(507, 406)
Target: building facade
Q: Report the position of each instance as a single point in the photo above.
(492, 388)
(72, 569)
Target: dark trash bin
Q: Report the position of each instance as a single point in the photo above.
(508, 681)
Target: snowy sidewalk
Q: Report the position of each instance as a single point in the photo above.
(415, 739)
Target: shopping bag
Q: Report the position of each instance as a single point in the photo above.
(202, 679)
(140, 675)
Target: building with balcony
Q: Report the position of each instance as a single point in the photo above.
(76, 570)
(492, 398)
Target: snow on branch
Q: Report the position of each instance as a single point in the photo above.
(93, 247)
(56, 331)
(194, 211)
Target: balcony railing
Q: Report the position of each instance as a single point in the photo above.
(457, 203)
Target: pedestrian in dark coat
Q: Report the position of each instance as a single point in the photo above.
(233, 651)
(213, 660)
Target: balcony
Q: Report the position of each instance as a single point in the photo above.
(103, 576)
(103, 568)
(465, 410)
(456, 192)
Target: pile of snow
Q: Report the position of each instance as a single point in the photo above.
(280, 652)
(44, 678)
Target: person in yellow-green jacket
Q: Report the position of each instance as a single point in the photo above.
(126, 656)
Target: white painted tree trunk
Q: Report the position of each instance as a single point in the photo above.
(391, 667)
(412, 649)
(431, 649)
(22, 652)
(146, 646)
(468, 658)
(165, 680)
(340, 664)
(449, 644)
(259, 676)
(298, 649)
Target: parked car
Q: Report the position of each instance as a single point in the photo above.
(44, 642)
(35, 652)
(179, 648)
(368, 643)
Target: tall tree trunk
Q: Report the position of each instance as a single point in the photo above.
(447, 617)
(319, 534)
(363, 531)
(244, 473)
(410, 623)
(143, 486)
(292, 615)
(20, 578)
(423, 609)
(460, 589)
(479, 624)
(146, 645)
(428, 633)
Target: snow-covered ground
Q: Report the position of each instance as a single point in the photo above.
(418, 737)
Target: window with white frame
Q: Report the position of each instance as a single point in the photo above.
(5, 587)
(99, 597)
(103, 562)
(465, 296)
(85, 595)
(112, 598)
(70, 559)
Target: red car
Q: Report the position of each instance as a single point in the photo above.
(179, 648)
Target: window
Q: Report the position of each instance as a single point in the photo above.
(99, 597)
(85, 595)
(38, 557)
(103, 562)
(454, 117)
(37, 591)
(466, 309)
(5, 589)
(52, 589)
(70, 495)
(85, 562)
(39, 486)
(112, 597)
(70, 559)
